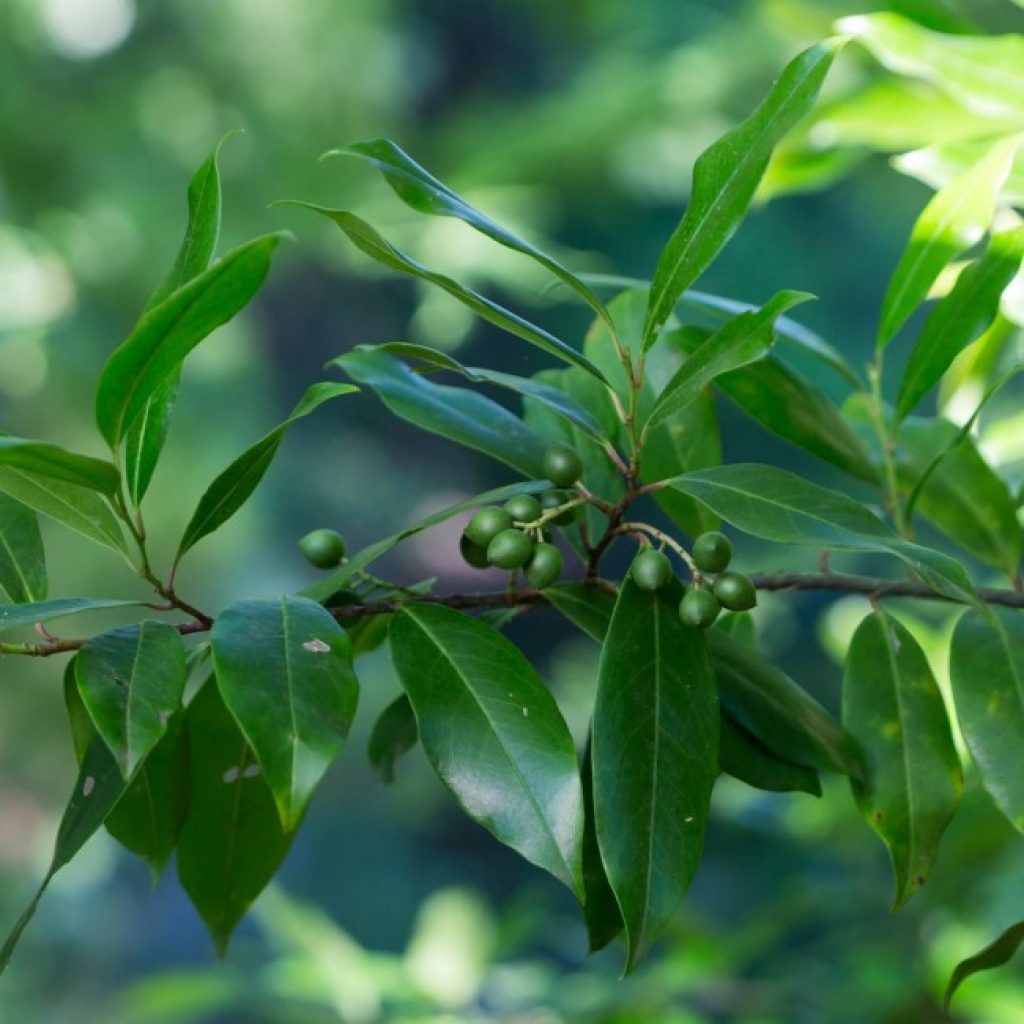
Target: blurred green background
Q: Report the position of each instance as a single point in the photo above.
(576, 122)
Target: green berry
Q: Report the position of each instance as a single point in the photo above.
(552, 499)
(651, 570)
(735, 592)
(486, 524)
(699, 608)
(524, 508)
(510, 549)
(562, 465)
(472, 553)
(323, 548)
(712, 552)
(545, 566)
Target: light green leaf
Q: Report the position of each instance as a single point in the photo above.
(232, 488)
(913, 782)
(393, 734)
(14, 616)
(22, 559)
(743, 756)
(938, 165)
(494, 735)
(997, 953)
(54, 463)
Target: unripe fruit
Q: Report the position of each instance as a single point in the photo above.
(552, 499)
(472, 553)
(510, 549)
(562, 465)
(323, 548)
(712, 552)
(699, 608)
(524, 508)
(486, 524)
(735, 592)
(651, 570)
(545, 566)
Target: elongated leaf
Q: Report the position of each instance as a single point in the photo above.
(131, 681)
(394, 734)
(655, 758)
(284, 670)
(494, 735)
(78, 508)
(725, 179)
(986, 667)
(747, 337)
(14, 616)
(146, 436)
(600, 909)
(163, 338)
(776, 505)
(455, 413)
(418, 188)
(960, 317)
(743, 756)
(232, 841)
(55, 463)
(938, 165)
(893, 707)
(377, 247)
(230, 491)
(997, 953)
(585, 606)
(22, 559)
(957, 217)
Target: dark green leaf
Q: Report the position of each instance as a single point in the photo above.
(43, 611)
(284, 670)
(913, 779)
(53, 463)
(394, 734)
(743, 756)
(22, 559)
(655, 758)
(494, 735)
(993, 955)
(600, 909)
(586, 606)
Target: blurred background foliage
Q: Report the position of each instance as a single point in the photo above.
(575, 121)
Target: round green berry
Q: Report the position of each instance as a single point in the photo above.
(562, 465)
(323, 548)
(545, 566)
(712, 552)
(472, 553)
(735, 592)
(524, 508)
(486, 524)
(553, 499)
(651, 570)
(699, 608)
(510, 549)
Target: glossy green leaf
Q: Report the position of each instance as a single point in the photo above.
(957, 217)
(232, 841)
(913, 780)
(232, 488)
(164, 337)
(601, 912)
(986, 667)
(131, 681)
(588, 607)
(54, 463)
(146, 436)
(961, 317)
(374, 245)
(654, 744)
(725, 178)
(743, 756)
(776, 505)
(14, 616)
(284, 670)
(743, 339)
(393, 735)
(22, 558)
(494, 735)
(937, 165)
(995, 954)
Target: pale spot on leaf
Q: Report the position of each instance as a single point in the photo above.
(230, 775)
(88, 785)
(317, 646)
(251, 771)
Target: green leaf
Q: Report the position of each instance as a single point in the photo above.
(419, 189)
(986, 667)
(601, 912)
(14, 616)
(22, 558)
(743, 756)
(894, 709)
(586, 606)
(655, 758)
(53, 463)
(232, 488)
(960, 317)
(725, 179)
(374, 245)
(162, 339)
(938, 165)
(78, 508)
(743, 339)
(146, 436)
(232, 842)
(494, 735)
(984, 73)
(393, 734)
(993, 955)
(776, 505)
(956, 218)
(284, 670)
(131, 681)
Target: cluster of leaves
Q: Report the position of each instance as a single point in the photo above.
(207, 735)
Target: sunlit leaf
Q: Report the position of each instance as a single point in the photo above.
(997, 953)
